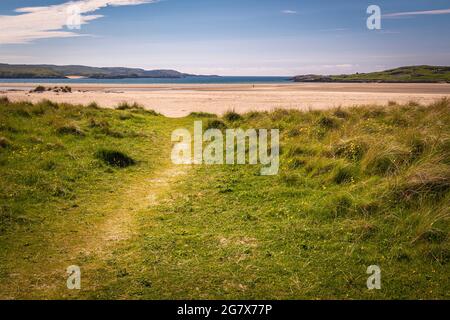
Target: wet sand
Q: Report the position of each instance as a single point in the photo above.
(177, 100)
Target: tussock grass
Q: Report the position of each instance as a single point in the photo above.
(215, 124)
(150, 112)
(344, 174)
(202, 115)
(71, 129)
(340, 205)
(45, 104)
(356, 187)
(136, 108)
(115, 158)
(4, 142)
(427, 178)
(93, 105)
(4, 100)
(232, 116)
(329, 122)
(353, 149)
(93, 123)
(127, 106)
(341, 113)
(294, 132)
(386, 159)
(295, 163)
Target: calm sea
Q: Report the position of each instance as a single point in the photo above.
(196, 80)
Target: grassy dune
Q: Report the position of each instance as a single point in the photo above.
(357, 187)
(410, 74)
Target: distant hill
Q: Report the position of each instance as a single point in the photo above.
(412, 74)
(22, 71)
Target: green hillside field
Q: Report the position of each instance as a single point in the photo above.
(413, 74)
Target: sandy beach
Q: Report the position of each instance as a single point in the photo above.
(177, 100)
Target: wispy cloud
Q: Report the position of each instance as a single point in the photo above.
(48, 22)
(289, 12)
(416, 13)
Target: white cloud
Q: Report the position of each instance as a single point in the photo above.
(415, 13)
(289, 11)
(48, 22)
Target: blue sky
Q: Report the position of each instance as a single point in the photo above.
(230, 37)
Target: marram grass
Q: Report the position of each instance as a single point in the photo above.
(357, 187)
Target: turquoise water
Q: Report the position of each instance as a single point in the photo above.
(187, 80)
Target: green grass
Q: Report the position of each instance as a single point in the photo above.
(410, 74)
(52, 71)
(356, 187)
(58, 178)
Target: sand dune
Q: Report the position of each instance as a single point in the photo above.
(177, 100)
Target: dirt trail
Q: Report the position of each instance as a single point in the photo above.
(93, 245)
(120, 226)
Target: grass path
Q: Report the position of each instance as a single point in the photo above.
(106, 243)
(62, 206)
(93, 246)
(120, 224)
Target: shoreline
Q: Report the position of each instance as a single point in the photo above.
(178, 100)
(319, 86)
